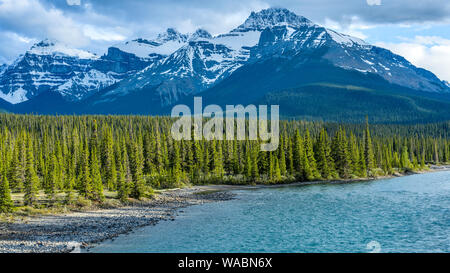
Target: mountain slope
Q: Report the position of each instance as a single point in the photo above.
(270, 34)
(272, 54)
(319, 90)
(49, 65)
(76, 74)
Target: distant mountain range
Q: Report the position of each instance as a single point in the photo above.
(274, 57)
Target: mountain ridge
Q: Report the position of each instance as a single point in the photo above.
(173, 67)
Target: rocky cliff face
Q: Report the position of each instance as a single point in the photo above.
(175, 65)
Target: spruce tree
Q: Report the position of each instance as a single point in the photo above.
(31, 178)
(322, 158)
(282, 156)
(404, 160)
(136, 164)
(85, 181)
(51, 181)
(109, 171)
(291, 157)
(368, 150)
(6, 203)
(176, 165)
(96, 179)
(122, 189)
(309, 154)
(255, 168)
(248, 163)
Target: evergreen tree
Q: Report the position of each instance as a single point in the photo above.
(122, 191)
(312, 173)
(31, 179)
(217, 165)
(368, 150)
(96, 179)
(85, 182)
(52, 177)
(404, 161)
(109, 165)
(248, 164)
(255, 168)
(291, 157)
(322, 157)
(176, 166)
(6, 203)
(282, 161)
(137, 190)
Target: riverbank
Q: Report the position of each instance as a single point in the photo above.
(401, 215)
(432, 168)
(67, 232)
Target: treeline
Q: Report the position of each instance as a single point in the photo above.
(82, 156)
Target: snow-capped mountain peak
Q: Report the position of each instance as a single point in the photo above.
(53, 66)
(171, 34)
(163, 45)
(173, 64)
(53, 47)
(2, 68)
(272, 17)
(344, 39)
(199, 34)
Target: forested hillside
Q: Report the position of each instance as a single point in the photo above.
(68, 158)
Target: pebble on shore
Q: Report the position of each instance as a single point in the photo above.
(71, 232)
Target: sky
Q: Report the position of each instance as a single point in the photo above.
(417, 30)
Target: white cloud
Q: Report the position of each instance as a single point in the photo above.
(73, 2)
(99, 34)
(429, 52)
(373, 2)
(355, 28)
(30, 18)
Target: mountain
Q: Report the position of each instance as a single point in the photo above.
(49, 65)
(275, 54)
(197, 65)
(275, 36)
(2, 68)
(155, 49)
(76, 74)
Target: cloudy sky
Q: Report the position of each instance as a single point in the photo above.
(418, 30)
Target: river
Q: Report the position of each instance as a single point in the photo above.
(405, 214)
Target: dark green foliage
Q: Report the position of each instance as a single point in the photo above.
(6, 204)
(131, 154)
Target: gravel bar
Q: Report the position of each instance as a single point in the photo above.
(76, 230)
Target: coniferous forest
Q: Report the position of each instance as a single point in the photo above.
(73, 158)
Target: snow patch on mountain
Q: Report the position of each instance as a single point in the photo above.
(52, 66)
(2, 68)
(173, 64)
(165, 44)
(273, 17)
(203, 60)
(237, 40)
(345, 39)
(144, 48)
(17, 96)
(81, 84)
(50, 47)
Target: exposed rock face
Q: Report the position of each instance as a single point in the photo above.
(175, 65)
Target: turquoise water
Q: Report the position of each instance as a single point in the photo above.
(406, 214)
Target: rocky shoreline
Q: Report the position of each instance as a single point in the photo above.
(74, 231)
(77, 230)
